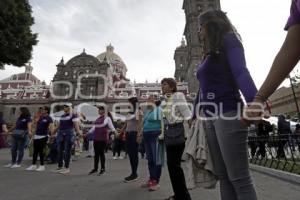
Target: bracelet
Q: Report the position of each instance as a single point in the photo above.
(260, 97)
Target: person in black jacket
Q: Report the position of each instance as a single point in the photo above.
(284, 130)
(263, 129)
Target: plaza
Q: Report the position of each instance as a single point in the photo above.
(18, 184)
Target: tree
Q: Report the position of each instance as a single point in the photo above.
(16, 37)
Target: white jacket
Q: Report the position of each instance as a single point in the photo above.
(198, 159)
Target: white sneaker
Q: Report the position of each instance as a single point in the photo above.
(121, 157)
(8, 165)
(115, 158)
(41, 168)
(15, 166)
(65, 171)
(31, 168)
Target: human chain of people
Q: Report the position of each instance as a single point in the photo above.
(167, 126)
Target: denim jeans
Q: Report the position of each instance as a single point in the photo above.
(227, 141)
(65, 141)
(133, 151)
(150, 139)
(17, 149)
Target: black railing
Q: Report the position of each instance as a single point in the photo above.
(280, 152)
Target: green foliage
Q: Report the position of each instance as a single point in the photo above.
(16, 37)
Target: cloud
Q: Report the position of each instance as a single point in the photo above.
(143, 33)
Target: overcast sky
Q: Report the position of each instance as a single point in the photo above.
(145, 33)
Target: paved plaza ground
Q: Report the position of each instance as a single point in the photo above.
(18, 184)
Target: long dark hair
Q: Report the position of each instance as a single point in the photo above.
(110, 116)
(216, 24)
(133, 101)
(24, 112)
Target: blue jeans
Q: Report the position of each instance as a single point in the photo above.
(150, 139)
(17, 149)
(133, 151)
(65, 141)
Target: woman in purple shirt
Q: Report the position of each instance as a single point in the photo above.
(22, 130)
(286, 59)
(68, 124)
(223, 75)
(44, 127)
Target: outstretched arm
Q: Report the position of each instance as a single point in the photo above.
(284, 62)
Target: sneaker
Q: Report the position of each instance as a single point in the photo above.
(65, 171)
(93, 171)
(146, 184)
(31, 168)
(153, 186)
(15, 166)
(131, 178)
(121, 157)
(8, 165)
(102, 171)
(41, 168)
(115, 158)
(58, 170)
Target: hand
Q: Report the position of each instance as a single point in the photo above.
(255, 111)
(139, 138)
(117, 135)
(161, 136)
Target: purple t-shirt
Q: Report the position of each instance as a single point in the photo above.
(295, 15)
(43, 125)
(66, 121)
(22, 123)
(222, 76)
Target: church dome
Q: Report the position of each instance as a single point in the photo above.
(83, 59)
(112, 58)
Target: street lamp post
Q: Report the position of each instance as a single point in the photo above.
(295, 98)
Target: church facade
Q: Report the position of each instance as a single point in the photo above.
(84, 81)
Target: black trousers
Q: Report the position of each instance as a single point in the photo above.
(174, 154)
(99, 148)
(38, 150)
(133, 151)
(117, 147)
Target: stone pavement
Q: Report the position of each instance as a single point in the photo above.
(18, 184)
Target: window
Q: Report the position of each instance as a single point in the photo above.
(13, 111)
(66, 73)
